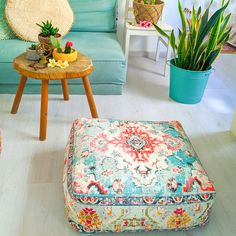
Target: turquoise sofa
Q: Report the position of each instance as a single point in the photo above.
(94, 34)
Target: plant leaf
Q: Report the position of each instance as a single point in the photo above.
(212, 21)
(160, 31)
(225, 37)
(211, 58)
(55, 42)
(181, 49)
(182, 16)
(225, 23)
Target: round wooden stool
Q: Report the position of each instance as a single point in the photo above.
(81, 68)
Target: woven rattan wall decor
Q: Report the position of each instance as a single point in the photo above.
(22, 16)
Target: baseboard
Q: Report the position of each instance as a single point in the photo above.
(146, 54)
(98, 89)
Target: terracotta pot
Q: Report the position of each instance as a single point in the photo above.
(70, 57)
(32, 55)
(46, 40)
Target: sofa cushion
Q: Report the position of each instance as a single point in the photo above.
(94, 15)
(99, 46)
(146, 174)
(103, 48)
(5, 31)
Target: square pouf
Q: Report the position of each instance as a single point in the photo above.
(134, 176)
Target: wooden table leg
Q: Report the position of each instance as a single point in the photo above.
(44, 110)
(90, 98)
(65, 89)
(18, 96)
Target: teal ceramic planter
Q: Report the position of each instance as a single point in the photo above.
(187, 86)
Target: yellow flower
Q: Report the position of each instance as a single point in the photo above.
(109, 212)
(52, 63)
(148, 227)
(117, 228)
(160, 211)
(178, 219)
(67, 211)
(62, 64)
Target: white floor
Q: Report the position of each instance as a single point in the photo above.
(31, 198)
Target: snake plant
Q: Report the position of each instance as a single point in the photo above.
(201, 38)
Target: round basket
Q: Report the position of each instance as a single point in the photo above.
(147, 12)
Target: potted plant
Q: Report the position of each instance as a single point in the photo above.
(148, 10)
(31, 53)
(198, 45)
(47, 30)
(66, 53)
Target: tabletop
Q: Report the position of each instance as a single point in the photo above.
(82, 67)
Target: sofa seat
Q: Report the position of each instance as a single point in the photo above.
(134, 176)
(108, 59)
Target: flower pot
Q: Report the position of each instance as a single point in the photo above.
(187, 86)
(147, 12)
(65, 57)
(32, 55)
(46, 40)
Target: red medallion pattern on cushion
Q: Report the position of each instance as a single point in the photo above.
(137, 143)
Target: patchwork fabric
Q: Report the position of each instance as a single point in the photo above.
(133, 176)
(5, 31)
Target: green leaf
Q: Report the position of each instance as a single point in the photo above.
(181, 49)
(224, 37)
(161, 32)
(204, 19)
(212, 21)
(55, 42)
(213, 39)
(173, 44)
(172, 40)
(199, 12)
(182, 16)
(211, 58)
(225, 23)
(194, 18)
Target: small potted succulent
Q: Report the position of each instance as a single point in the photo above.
(148, 10)
(31, 53)
(47, 30)
(66, 53)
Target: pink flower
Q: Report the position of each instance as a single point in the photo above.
(145, 24)
(142, 23)
(69, 44)
(148, 24)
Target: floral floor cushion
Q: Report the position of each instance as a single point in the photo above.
(134, 176)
